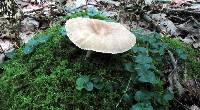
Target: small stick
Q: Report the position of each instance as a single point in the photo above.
(186, 107)
(129, 81)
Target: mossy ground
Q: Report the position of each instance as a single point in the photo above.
(192, 63)
(46, 78)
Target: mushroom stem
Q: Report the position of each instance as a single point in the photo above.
(89, 52)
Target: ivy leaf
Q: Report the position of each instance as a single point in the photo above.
(137, 33)
(143, 96)
(142, 106)
(89, 86)
(129, 67)
(140, 50)
(143, 67)
(162, 49)
(27, 50)
(163, 99)
(159, 48)
(142, 59)
(147, 77)
(152, 40)
(43, 39)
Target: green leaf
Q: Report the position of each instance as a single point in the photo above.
(142, 59)
(162, 49)
(143, 67)
(98, 86)
(159, 48)
(129, 67)
(97, 83)
(152, 40)
(143, 96)
(163, 99)
(81, 82)
(89, 86)
(181, 54)
(85, 78)
(96, 79)
(142, 106)
(158, 97)
(140, 50)
(147, 77)
(27, 50)
(29, 47)
(79, 87)
(10, 54)
(43, 39)
(63, 31)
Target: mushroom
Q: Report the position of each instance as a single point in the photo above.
(100, 36)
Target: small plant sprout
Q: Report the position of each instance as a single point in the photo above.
(100, 36)
(84, 82)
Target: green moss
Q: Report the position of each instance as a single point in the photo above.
(192, 64)
(46, 78)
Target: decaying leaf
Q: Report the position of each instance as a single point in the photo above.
(164, 24)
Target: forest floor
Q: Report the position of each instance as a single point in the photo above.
(48, 70)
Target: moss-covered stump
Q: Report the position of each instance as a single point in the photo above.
(46, 77)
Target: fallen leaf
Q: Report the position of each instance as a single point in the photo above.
(180, 1)
(187, 40)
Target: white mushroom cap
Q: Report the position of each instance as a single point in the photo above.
(99, 35)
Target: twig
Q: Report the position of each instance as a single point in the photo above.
(178, 18)
(127, 87)
(173, 76)
(182, 11)
(195, 21)
(174, 62)
(186, 107)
